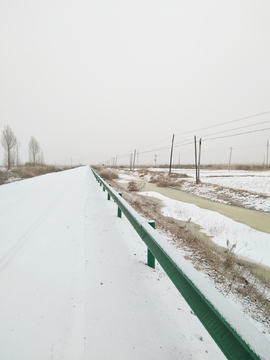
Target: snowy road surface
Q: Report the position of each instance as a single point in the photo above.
(74, 284)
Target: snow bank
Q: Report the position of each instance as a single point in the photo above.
(250, 244)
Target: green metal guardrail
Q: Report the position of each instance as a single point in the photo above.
(235, 336)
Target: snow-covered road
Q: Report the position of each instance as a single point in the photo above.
(74, 284)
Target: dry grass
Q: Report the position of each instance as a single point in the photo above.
(26, 172)
(133, 186)
(165, 180)
(161, 180)
(97, 168)
(3, 177)
(143, 172)
(177, 176)
(108, 174)
(230, 255)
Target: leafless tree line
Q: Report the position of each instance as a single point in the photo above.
(35, 152)
(11, 147)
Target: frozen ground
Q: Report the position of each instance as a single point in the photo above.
(249, 189)
(74, 284)
(251, 245)
(253, 181)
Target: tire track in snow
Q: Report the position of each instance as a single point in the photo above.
(12, 251)
(19, 243)
(20, 198)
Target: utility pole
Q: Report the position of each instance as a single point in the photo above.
(155, 160)
(131, 157)
(267, 153)
(230, 158)
(199, 162)
(179, 160)
(134, 158)
(196, 158)
(171, 155)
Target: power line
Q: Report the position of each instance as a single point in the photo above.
(153, 143)
(188, 142)
(225, 148)
(122, 156)
(241, 127)
(158, 149)
(247, 132)
(227, 122)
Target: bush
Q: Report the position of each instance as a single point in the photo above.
(164, 181)
(133, 186)
(153, 179)
(108, 174)
(174, 175)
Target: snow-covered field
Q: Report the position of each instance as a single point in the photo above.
(250, 244)
(253, 181)
(250, 189)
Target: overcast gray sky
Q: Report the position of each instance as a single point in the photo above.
(92, 79)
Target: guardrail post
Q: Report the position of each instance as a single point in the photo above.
(104, 186)
(109, 196)
(150, 256)
(119, 211)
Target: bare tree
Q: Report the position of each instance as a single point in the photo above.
(41, 159)
(18, 144)
(9, 143)
(33, 149)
